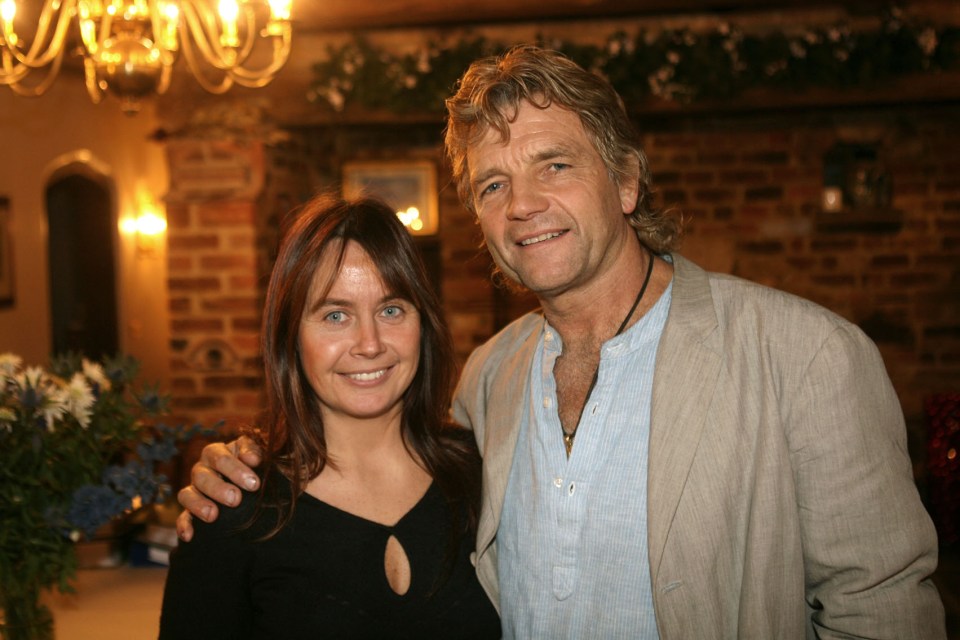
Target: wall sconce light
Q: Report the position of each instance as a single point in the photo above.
(146, 227)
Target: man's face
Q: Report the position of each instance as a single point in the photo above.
(552, 216)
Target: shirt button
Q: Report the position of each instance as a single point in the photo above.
(558, 482)
(546, 403)
(571, 488)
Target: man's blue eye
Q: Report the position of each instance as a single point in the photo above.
(493, 186)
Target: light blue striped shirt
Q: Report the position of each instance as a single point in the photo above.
(572, 543)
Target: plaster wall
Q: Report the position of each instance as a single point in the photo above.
(61, 131)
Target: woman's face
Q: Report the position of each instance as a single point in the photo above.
(359, 344)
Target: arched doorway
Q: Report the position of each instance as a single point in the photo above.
(83, 301)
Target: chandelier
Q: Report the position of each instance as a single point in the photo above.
(129, 46)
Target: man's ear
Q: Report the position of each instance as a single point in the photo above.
(629, 185)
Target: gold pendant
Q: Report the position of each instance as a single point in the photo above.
(568, 442)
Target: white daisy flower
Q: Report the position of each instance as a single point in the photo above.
(10, 363)
(79, 400)
(94, 372)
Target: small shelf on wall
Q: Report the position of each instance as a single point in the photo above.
(860, 220)
(857, 191)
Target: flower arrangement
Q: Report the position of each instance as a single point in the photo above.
(76, 451)
(675, 65)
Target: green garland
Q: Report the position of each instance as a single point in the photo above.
(678, 65)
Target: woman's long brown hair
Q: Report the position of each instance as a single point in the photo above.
(292, 434)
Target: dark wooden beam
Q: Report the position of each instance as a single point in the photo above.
(332, 15)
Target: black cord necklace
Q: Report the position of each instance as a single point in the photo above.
(568, 437)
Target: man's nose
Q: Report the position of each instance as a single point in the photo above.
(526, 199)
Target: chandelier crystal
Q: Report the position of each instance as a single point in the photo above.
(129, 46)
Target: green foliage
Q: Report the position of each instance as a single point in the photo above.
(76, 450)
(676, 65)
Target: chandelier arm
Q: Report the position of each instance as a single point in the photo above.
(199, 73)
(165, 76)
(103, 34)
(43, 50)
(12, 73)
(203, 31)
(243, 52)
(90, 80)
(39, 88)
(257, 78)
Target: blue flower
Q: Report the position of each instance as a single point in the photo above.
(92, 506)
(157, 450)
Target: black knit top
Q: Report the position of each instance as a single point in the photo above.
(322, 576)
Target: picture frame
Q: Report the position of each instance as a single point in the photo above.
(403, 185)
(6, 254)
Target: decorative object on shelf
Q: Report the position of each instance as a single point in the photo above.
(129, 46)
(673, 65)
(857, 191)
(855, 178)
(409, 187)
(76, 452)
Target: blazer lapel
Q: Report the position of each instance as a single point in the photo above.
(507, 407)
(687, 369)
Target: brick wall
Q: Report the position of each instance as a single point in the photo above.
(750, 189)
(748, 185)
(215, 226)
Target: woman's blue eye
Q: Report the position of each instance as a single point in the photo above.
(335, 316)
(392, 311)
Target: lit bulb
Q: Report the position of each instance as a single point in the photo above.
(409, 216)
(8, 9)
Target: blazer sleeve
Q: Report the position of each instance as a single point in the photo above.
(869, 545)
(206, 596)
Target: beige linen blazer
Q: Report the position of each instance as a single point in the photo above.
(781, 497)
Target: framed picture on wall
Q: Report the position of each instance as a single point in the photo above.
(409, 187)
(6, 254)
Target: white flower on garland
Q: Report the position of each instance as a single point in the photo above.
(678, 64)
(927, 41)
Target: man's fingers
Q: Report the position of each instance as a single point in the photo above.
(185, 526)
(218, 459)
(248, 451)
(197, 504)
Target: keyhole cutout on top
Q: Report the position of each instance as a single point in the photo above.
(396, 565)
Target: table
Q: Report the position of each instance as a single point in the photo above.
(121, 603)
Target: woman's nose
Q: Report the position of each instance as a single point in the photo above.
(368, 340)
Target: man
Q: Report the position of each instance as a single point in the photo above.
(667, 453)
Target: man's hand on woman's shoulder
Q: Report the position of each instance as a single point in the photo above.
(215, 478)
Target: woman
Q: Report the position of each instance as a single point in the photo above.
(366, 515)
